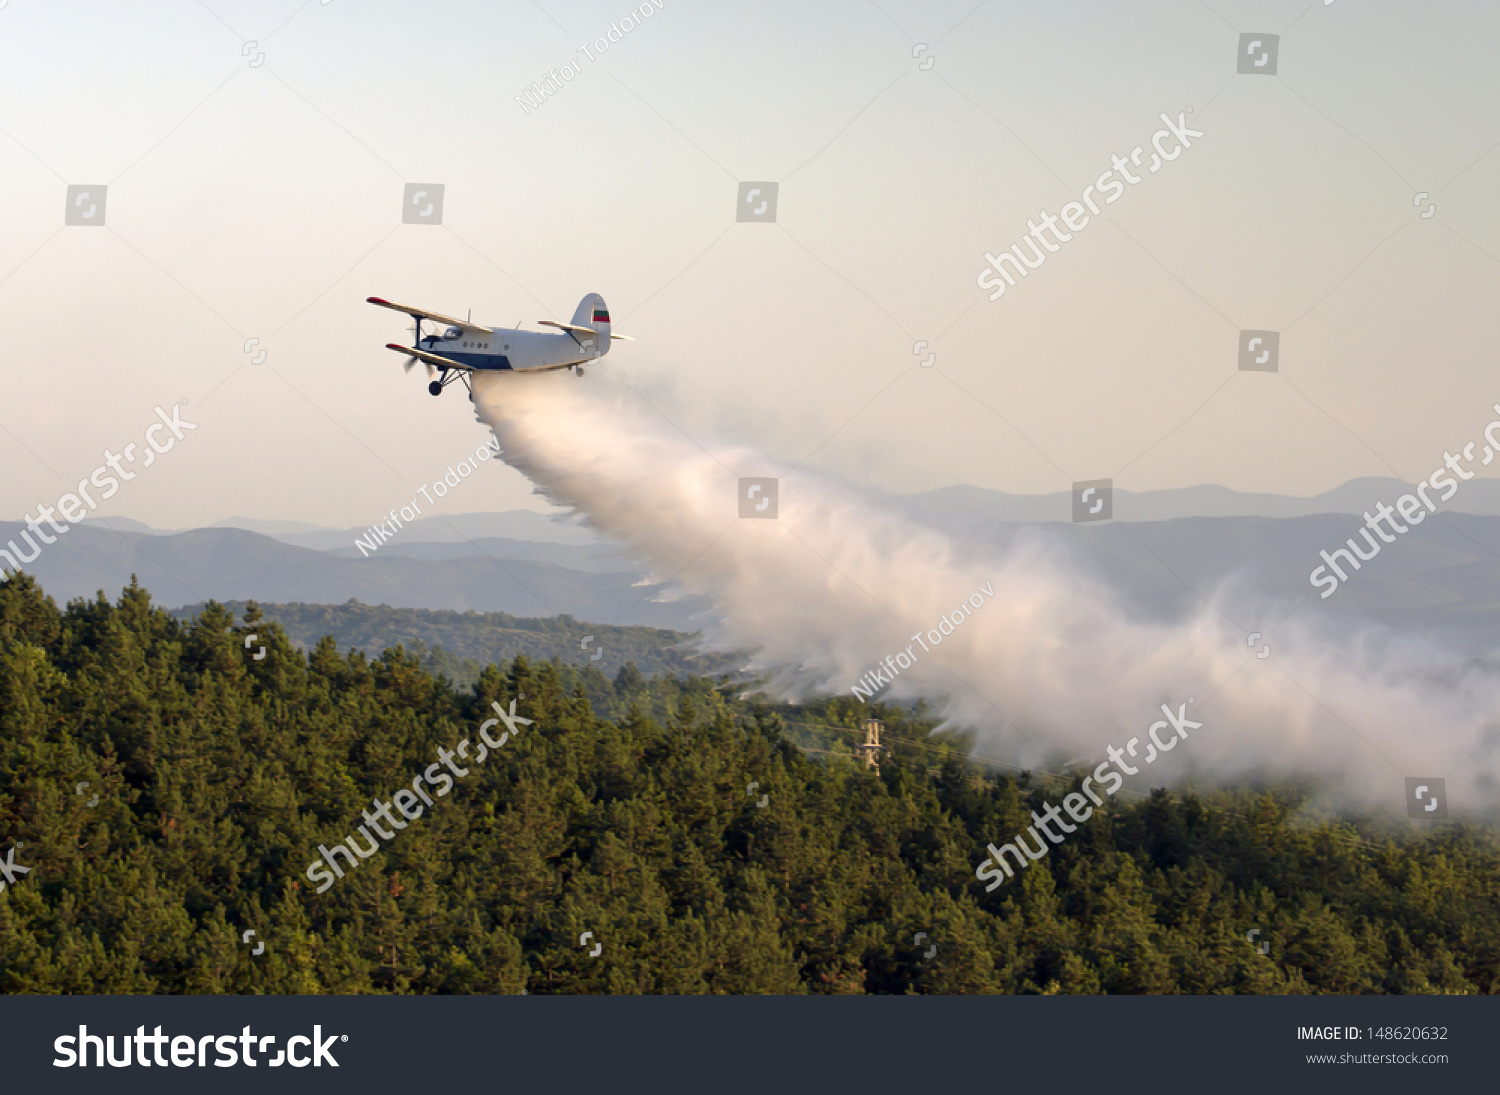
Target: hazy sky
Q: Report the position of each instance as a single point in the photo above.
(256, 191)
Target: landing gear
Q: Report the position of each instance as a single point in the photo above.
(448, 376)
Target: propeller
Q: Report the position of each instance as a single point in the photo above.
(416, 332)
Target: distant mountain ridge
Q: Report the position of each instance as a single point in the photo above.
(968, 504)
(958, 504)
(1441, 578)
(233, 565)
(454, 528)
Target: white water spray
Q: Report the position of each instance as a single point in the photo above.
(1054, 668)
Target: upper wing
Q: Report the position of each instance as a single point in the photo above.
(430, 358)
(437, 316)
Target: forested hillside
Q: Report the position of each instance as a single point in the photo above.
(624, 809)
(460, 644)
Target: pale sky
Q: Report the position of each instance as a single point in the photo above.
(260, 197)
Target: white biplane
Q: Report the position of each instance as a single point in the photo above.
(462, 348)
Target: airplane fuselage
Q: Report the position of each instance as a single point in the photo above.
(506, 348)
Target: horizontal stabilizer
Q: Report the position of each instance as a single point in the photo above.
(579, 330)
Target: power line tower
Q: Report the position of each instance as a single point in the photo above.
(872, 745)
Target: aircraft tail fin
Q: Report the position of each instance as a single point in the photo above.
(593, 313)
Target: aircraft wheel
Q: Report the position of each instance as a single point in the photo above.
(435, 388)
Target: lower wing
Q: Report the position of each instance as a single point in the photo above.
(431, 359)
